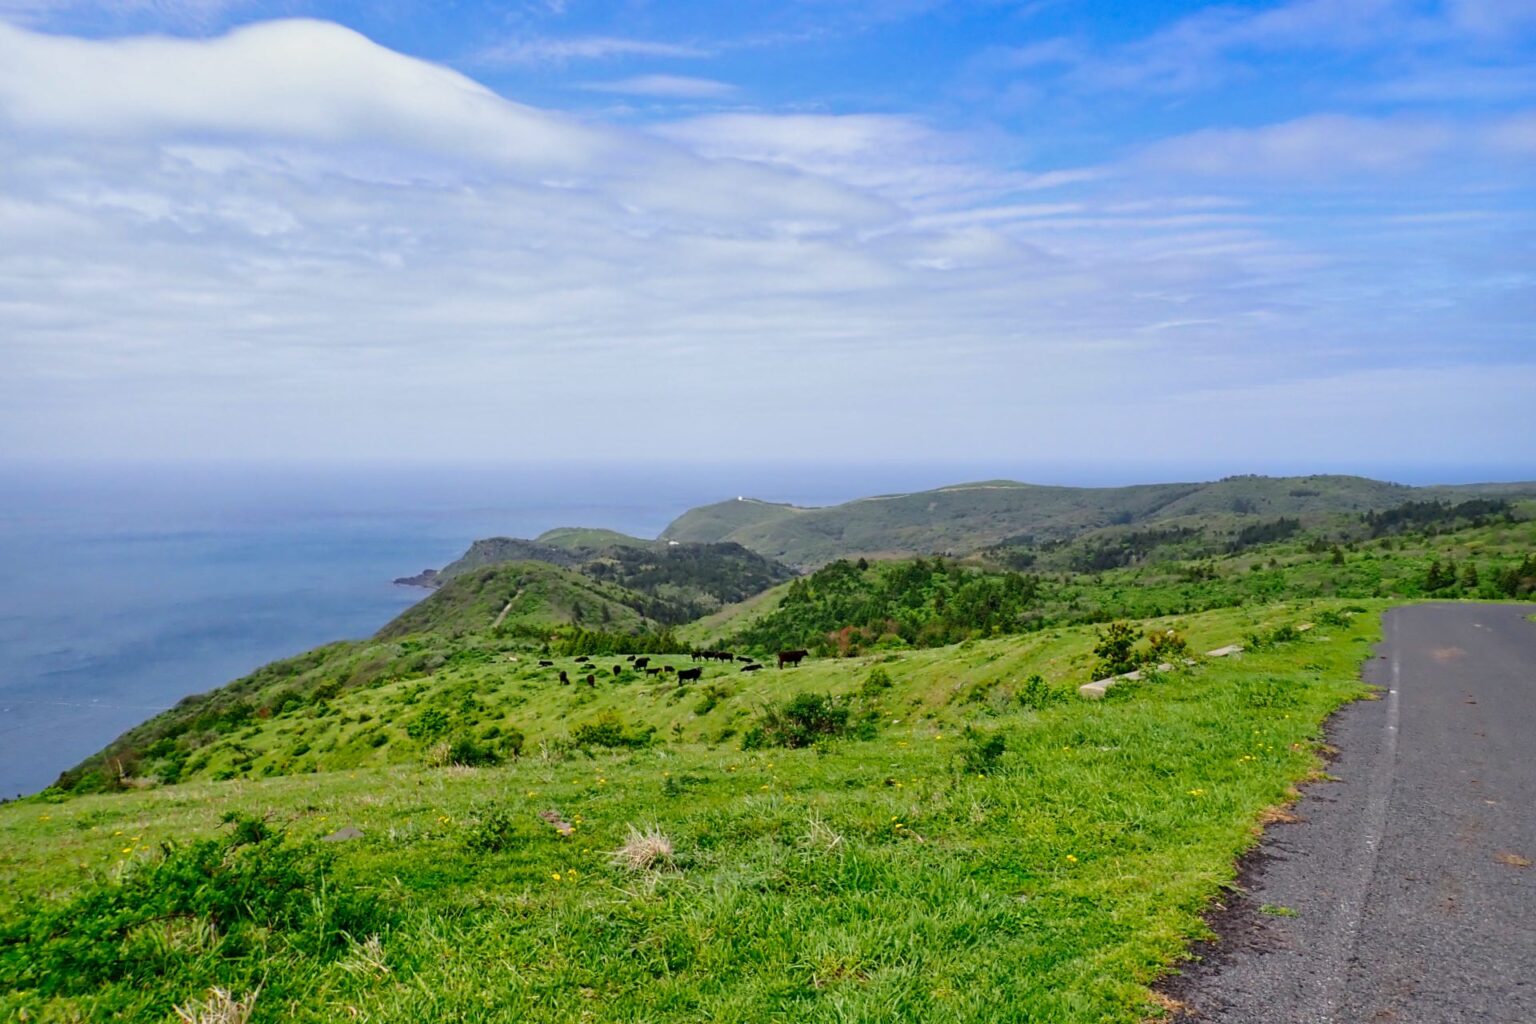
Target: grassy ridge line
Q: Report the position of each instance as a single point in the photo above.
(966, 517)
(870, 880)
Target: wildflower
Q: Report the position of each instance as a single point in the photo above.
(1071, 859)
(898, 825)
(1197, 792)
(555, 875)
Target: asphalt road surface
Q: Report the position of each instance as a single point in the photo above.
(1405, 892)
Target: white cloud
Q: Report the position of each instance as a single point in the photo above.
(288, 241)
(1321, 146)
(664, 86)
(573, 48)
(899, 157)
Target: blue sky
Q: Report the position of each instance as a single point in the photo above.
(1243, 236)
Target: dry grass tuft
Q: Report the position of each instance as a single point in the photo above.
(821, 836)
(366, 959)
(219, 1008)
(643, 851)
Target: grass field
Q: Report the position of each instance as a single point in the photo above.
(929, 873)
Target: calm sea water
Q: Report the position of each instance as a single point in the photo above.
(123, 589)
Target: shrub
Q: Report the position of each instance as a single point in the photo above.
(1167, 645)
(709, 697)
(428, 725)
(490, 830)
(465, 750)
(1038, 695)
(609, 730)
(982, 751)
(235, 897)
(799, 722)
(1116, 649)
(876, 683)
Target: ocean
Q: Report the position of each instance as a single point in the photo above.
(125, 588)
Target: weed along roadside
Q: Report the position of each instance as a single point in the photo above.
(938, 834)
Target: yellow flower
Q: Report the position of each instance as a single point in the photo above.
(1197, 792)
(555, 875)
(898, 825)
(1071, 859)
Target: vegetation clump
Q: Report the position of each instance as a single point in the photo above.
(610, 730)
(805, 719)
(198, 911)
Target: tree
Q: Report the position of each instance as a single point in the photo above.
(1116, 649)
(1469, 580)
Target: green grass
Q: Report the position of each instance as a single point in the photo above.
(861, 880)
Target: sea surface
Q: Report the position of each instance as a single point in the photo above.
(125, 588)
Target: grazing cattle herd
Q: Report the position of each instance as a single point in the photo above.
(642, 663)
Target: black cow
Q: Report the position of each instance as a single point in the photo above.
(642, 662)
(750, 668)
(745, 658)
(791, 658)
(582, 659)
(564, 679)
(545, 664)
(668, 668)
(685, 675)
(591, 679)
(618, 669)
(629, 657)
(653, 671)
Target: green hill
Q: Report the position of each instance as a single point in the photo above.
(582, 538)
(529, 594)
(965, 518)
(710, 523)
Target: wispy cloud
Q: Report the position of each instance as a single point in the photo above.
(322, 233)
(664, 87)
(550, 50)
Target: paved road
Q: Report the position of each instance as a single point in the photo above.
(1409, 876)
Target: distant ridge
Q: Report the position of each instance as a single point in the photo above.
(962, 518)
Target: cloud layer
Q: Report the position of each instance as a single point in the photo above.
(290, 241)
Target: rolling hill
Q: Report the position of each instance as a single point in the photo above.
(965, 518)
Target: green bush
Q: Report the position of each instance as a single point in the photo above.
(609, 730)
(982, 751)
(428, 725)
(876, 683)
(490, 830)
(1037, 694)
(1116, 650)
(803, 720)
(244, 896)
(470, 752)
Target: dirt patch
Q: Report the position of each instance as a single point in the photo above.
(1445, 654)
(1513, 860)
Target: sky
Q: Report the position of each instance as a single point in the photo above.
(1247, 236)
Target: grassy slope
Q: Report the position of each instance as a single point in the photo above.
(966, 517)
(582, 538)
(710, 523)
(868, 881)
(538, 594)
